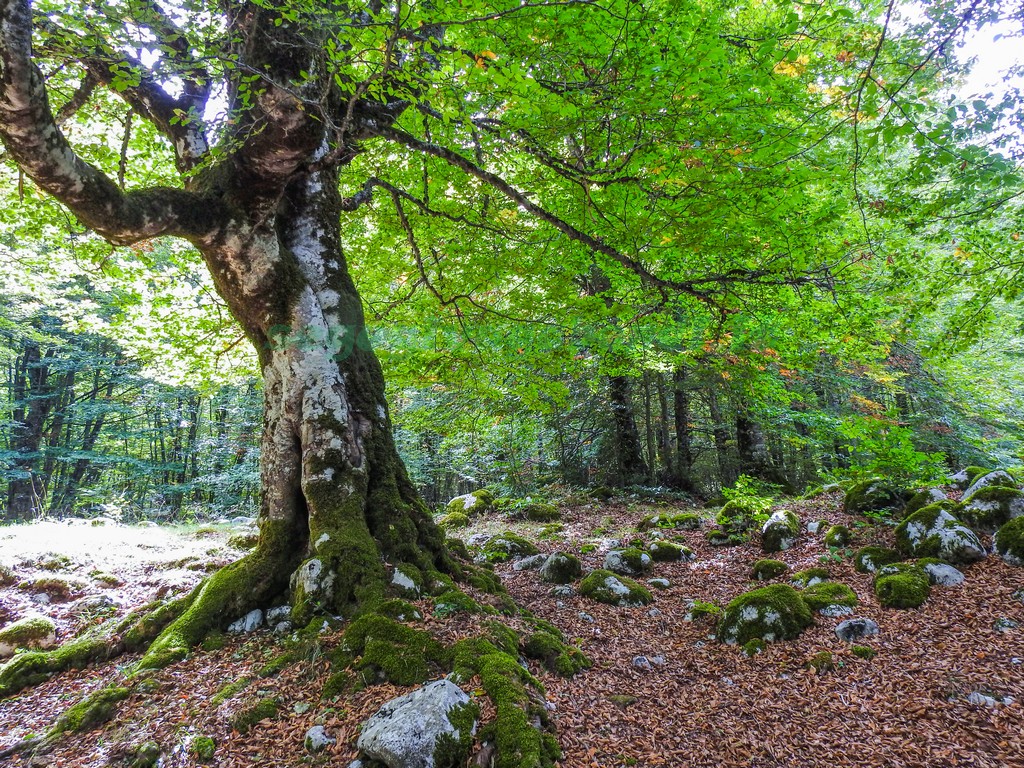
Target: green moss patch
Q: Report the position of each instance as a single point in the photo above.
(775, 612)
(870, 559)
(827, 594)
(506, 546)
(554, 654)
(821, 663)
(263, 709)
(91, 712)
(472, 504)
(57, 589)
(379, 649)
(399, 610)
(838, 536)
(902, 585)
(991, 507)
(780, 532)
(766, 569)
(684, 521)
(810, 577)
(1009, 541)
(668, 552)
(539, 512)
(863, 652)
(454, 520)
(203, 748)
(934, 532)
(29, 632)
(613, 589)
(561, 568)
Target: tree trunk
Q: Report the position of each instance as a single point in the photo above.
(630, 466)
(684, 448)
(33, 400)
(726, 467)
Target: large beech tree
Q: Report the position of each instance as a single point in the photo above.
(681, 147)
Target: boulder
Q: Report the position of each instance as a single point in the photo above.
(869, 559)
(317, 739)
(33, 632)
(902, 585)
(943, 575)
(252, 621)
(874, 496)
(669, 552)
(780, 532)
(607, 587)
(627, 562)
(1009, 541)
(775, 612)
(828, 597)
(560, 568)
(992, 506)
(531, 563)
(998, 478)
(507, 546)
(922, 499)
(766, 570)
(934, 532)
(851, 630)
(431, 727)
(838, 536)
(471, 504)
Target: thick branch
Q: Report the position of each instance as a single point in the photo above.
(28, 129)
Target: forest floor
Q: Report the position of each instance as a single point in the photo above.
(707, 705)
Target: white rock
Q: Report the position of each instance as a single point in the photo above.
(402, 581)
(944, 575)
(999, 477)
(252, 621)
(531, 563)
(278, 614)
(317, 739)
(854, 629)
(405, 731)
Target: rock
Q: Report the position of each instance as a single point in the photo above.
(669, 552)
(540, 512)
(252, 621)
(873, 496)
(654, 613)
(587, 617)
(275, 616)
(809, 577)
(659, 583)
(454, 520)
(997, 478)
(33, 632)
(317, 739)
(979, 699)
(780, 532)
(507, 546)
(902, 585)
(607, 544)
(992, 507)
(852, 630)
(531, 563)
(627, 562)
(479, 539)
(563, 590)
(283, 628)
(471, 504)
(959, 479)
(922, 499)
(766, 570)
(647, 663)
(607, 587)
(407, 731)
(775, 612)
(943, 575)
(1003, 624)
(838, 536)
(243, 520)
(934, 532)
(406, 581)
(815, 525)
(869, 559)
(830, 598)
(560, 568)
(1009, 541)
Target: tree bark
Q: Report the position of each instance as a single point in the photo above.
(630, 467)
(684, 447)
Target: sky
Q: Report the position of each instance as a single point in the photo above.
(993, 57)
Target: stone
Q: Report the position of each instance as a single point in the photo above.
(933, 532)
(627, 562)
(780, 532)
(560, 568)
(607, 587)
(1009, 542)
(33, 632)
(873, 496)
(276, 615)
(999, 477)
(607, 544)
(659, 583)
(479, 539)
(408, 730)
(563, 590)
(1003, 624)
(943, 575)
(471, 504)
(852, 630)
(531, 563)
(775, 612)
(317, 739)
(252, 621)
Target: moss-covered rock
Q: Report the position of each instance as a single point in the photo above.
(934, 532)
(991, 507)
(874, 496)
(613, 589)
(506, 546)
(399, 610)
(766, 570)
(684, 521)
(775, 612)
(540, 512)
(378, 648)
(627, 562)
(203, 748)
(700, 610)
(455, 601)
(719, 537)
(669, 552)
(244, 540)
(829, 595)
(821, 663)
(57, 588)
(1009, 541)
(998, 478)
(902, 585)
(838, 536)
(257, 711)
(561, 568)
(549, 649)
(472, 504)
(810, 576)
(454, 520)
(780, 532)
(32, 632)
(922, 499)
(145, 755)
(869, 559)
(738, 516)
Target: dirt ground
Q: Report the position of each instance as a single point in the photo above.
(707, 705)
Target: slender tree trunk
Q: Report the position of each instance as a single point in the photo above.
(33, 401)
(684, 448)
(628, 454)
(726, 467)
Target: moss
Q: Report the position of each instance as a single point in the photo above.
(973, 472)
(780, 531)
(455, 601)
(810, 576)
(922, 499)
(539, 512)
(753, 647)
(244, 541)
(863, 652)
(146, 755)
(551, 531)
(506, 546)
(454, 520)
(94, 710)
(766, 570)
(278, 663)
(264, 709)
(52, 561)
(718, 537)
(554, 654)
(821, 662)
(607, 587)
(399, 610)
(838, 536)
(907, 587)
(870, 559)
(687, 521)
(630, 561)
(518, 742)
(738, 517)
(828, 593)
(381, 649)
(875, 495)
(452, 749)
(203, 748)
(991, 507)
(471, 504)
(700, 609)
(934, 532)
(229, 691)
(561, 568)
(7, 576)
(485, 580)
(28, 632)
(458, 548)
(667, 552)
(57, 589)
(1009, 541)
(775, 612)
